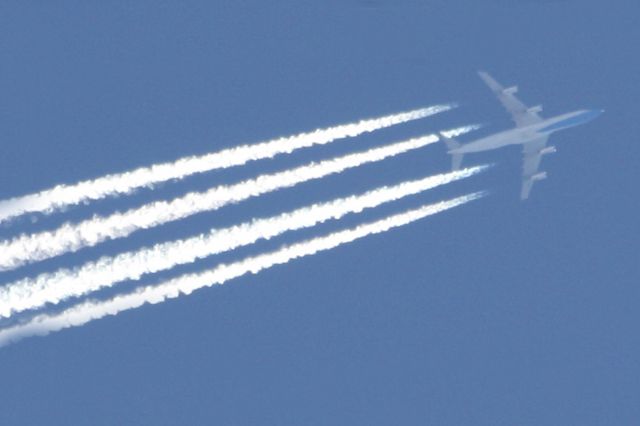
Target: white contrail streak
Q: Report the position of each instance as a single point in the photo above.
(107, 271)
(62, 196)
(72, 237)
(185, 284)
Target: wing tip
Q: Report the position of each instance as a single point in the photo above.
(491, 82)
(484, 75)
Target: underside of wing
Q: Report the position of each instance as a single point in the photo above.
(532, 153)
(520, 113)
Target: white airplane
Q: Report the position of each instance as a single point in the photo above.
(531, 131)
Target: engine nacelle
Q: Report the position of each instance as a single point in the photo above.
(539, 176)
(535, 109)
(510, 90)
(548, 150)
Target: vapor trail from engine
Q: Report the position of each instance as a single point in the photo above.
(32, 293)
(185, 284)
(61, 196)
(72, 237)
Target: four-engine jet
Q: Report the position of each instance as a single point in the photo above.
(531, 131)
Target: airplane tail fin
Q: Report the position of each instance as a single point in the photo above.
(452, 144)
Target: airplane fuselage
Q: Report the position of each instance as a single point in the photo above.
(522, 135)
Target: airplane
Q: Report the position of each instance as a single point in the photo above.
(531, 131)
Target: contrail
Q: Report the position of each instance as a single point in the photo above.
(185, 284)
(61, 196)
(72, 237)
(107, 271)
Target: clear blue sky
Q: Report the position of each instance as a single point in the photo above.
(498, 312)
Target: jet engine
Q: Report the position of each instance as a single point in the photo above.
(548, 150)
(539, 176)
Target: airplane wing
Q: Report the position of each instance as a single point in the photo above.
(533, 152)
(520, 113)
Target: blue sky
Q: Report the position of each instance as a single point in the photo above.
(498, 312)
